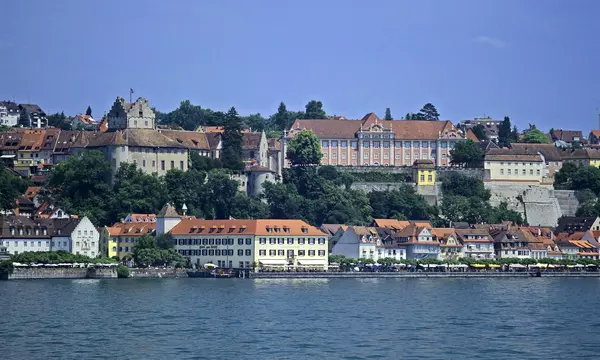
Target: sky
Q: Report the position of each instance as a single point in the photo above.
(535, 61)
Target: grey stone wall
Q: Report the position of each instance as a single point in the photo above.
(157, 273)
(567, 200)
(62, 273)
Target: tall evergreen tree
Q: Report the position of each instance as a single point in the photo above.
(429, 112)
(281, 117)
(232, 141)
(504, 133)
(88, 112)
(388, 114)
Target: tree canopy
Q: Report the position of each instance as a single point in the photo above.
(467, 153)
(535, 136)
(478, 130)
(304, 149)
(11, 186)
(88, 111)
(314, 110)
(429, 112)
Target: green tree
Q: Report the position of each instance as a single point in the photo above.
(58, 120)
(388, 114)
(504, 133)
(514, 135)
(284, 201)
(219, 194)
(246, 207)
(535, 136)
(186, 116)
(462, 185)
(231, 155)
(281, 118)
(122, 272)
(563, 179)
(203, 163)
(478, 130)
(88, 112)
(413, 116)
(137, 192)
(304, 149)
(587, 177)
(147, 253)
(404, 203)
(255, 122)
(314, 110)
(81, 186)
(467, 153)
(164, 241)
(11, 186)
(429, 112)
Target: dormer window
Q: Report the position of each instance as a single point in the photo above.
(304, 230)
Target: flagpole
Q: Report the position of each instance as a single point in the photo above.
(130, 95)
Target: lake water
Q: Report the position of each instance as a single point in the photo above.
(535, 318)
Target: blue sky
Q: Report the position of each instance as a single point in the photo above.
(535, 61)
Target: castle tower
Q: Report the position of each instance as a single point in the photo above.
(135, 115)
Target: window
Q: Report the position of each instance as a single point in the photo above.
(366, 144)
(262, 252)
(376, 156)
(509, 172)
(354, 156)
(180, 164)
(262, 241)
(444, 145)
(290, 241)
(153, 163)
(386, 144)
(324, 155)
(248, 252)
(322, 252)
(366, 155)
(290, 253)
(354, 144)
(272, 252)
(376, 144)
(537, 171)
(343, 155)
(311, 253)
(430, 178)
(248, 241)
(422, 177)
(280, 252)
(204, 252)
(524, 172)
(406, 155)
(386, 156)
(501, 171)
(344, 144)
(325, 144)
(311, 241)
(172, 164)
(398, 156)
(334, 155)
(425, 144)
(301, 252)
(334, 143)
(531, 172)
(240, 241)
(218, 242)
(321, 241)
(280, 241)
(162, 164)
(407, 144)
(301, 241)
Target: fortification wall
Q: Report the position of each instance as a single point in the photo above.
(157, 273)
(567, 200)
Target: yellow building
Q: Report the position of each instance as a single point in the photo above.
(290, 243)
(120, 239)
(582, 156)
(251, 243)
(424, 172)
(509, 167)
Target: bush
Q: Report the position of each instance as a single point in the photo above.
(122, 272)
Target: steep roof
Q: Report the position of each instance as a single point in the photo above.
(10, 106)
(567, 135)
(336, 129)
(572, 224)
(251, 140)
(390, 223)
(512, 157)
(549, 151)
(132, 229)
(129, 137)
(168, 211)
(31, 108)
(270, 227)
(213, 138)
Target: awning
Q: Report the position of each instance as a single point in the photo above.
(478, 265)
(321, 262)
(517, 266)
(7, 156)
(274, 262)
(494, 266)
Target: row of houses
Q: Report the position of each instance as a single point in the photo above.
(402, 240)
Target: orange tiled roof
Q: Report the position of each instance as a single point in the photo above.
(271, 227)
(132, 229)
(391, 223)
(32, 191)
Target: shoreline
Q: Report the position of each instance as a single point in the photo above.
(421, 275)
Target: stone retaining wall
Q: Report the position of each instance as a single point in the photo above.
(157, 273)
(62, 273)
